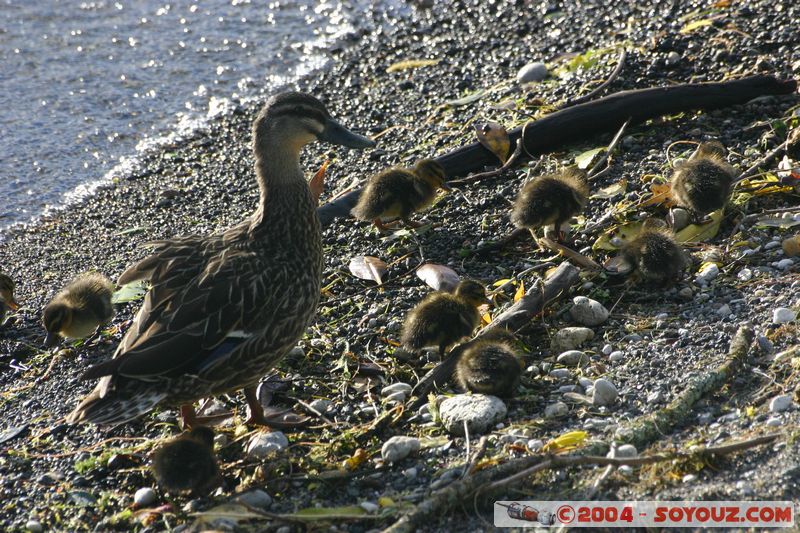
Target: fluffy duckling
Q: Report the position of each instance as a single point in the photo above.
(703, 183)
(551, 199)
(7, 300)
(79, 309)
(655, 254)
(442, 318)
(400, 192)
(490, 365)
(187, 463)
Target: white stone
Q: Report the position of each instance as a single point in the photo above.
(616, 356)
(320, 405)
(481, 412)
(588, 312)
(780, 403)
(556, 410)
(369, 507)
(783, 315)
(534, 445)
(570, 338)
(255, 498)
(536, 71)
(745, 274)
(396, 387)
(604, 393)
(724, 311)
(265, 443)
(673, 58)
(627, 451)
(688, 478)
(625, 469)
(34, 526)
(585, 382)
(572, 358)
(607, 349)
(144, 497)
(398, 448)
(785, 264)
(560, 373)
(709, 272)
(410, 473)
(774, 422)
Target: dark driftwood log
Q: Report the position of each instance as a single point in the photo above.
(586, 120)
(513, 318)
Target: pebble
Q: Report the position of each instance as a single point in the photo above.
(585, 382)
(604, 393)
(410, 473)
(560, 373)
(655, 397)
(265, 443)
(780, 403)
(616, 356)
(534, 445)
(481, 412)
(784, 264)
(607, 349)
(34, 526)
(396, 397)
(255, 498)
(625, 469)
(774, 422)
(771, 245)
(680, 218)
(144, 497)
(783, 315)
(673, 58)
(320, 405)
(220, 440)
(688, 478)
(765, 345)
(556, 410)
(709, 272)
(724, 311)
(588, 312)
(572, 358)
(398, 448)
(627, 451)
(369, 507)
(686, 293)
(535, 71)
(570, 338)
(745, 274)
(395, 388)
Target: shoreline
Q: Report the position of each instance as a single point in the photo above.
(205, 183)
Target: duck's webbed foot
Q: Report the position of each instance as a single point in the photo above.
(271, 417)
(191, 419)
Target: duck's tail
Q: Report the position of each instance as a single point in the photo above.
(109, 406)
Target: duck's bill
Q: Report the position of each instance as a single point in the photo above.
(51, 340)
(335, 133)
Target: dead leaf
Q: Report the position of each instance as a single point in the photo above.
(584, 159)
(438, 277)
(618, 266)
(369, 268)
(520, 291)
(567, 441)
(617, 237)
(661, 195)
(130, 292)
(358, 458)
(495, 138)
(317, 182)
(696, 24)
(486, 319)
(701, 232)
(473, 97)
(411, 63)
(777, 222)
(612, 190)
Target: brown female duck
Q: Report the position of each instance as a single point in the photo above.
(222, 309)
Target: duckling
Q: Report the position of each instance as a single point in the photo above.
(490, 365)
(79, 309)
(703, 183)
(655, 254)
(7, 300)
(551, 199)
(187, 463)
(399, 192)
(442, 318)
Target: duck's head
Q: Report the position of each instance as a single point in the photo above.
(472, 292)
(7, 292)
(294, 119)
(57, 317)
(432, 173)
(710, 149)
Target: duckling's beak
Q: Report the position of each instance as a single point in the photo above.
(51, 340)
(335, 133)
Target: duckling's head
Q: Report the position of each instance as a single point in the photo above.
(472, 292)
(432, 173)
(710, 149)
(202, 434)
(7, 292)
(292, 119)
(57, 317)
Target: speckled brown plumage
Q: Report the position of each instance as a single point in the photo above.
(551, 199)
(703, 183)
(441, 318)
(223, 309)
(187, 463)
(654, 253)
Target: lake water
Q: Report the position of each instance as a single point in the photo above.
(86, 86)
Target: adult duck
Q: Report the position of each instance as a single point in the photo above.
(223, 309)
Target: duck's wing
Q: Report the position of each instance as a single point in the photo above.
(191, 315)
(175, 249)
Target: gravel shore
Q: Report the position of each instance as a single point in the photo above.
(653, 344)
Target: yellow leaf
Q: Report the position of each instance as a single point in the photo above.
(612, 190)
(495, 138)
(750, 411)
(500, 282)
(358, 458)
(661, 195)
(486, 318)
(411, 63)
(520, 292)
(385, 501)
(701, 232)
(695, 25)
(617, 237)
(567, 441)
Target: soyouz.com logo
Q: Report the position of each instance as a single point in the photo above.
(727, 514)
